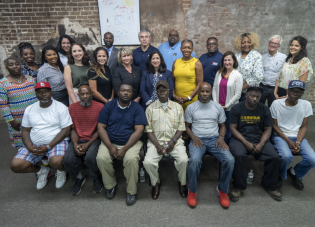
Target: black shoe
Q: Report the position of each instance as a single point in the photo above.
(76, 189)
(110, 193)
(131, 199)
(279, 183)
(97, 185)
(296, 182)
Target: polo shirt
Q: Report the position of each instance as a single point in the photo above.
(140, 57)
(211, 65)
(170, 54)
(120, 122)
(272, 67)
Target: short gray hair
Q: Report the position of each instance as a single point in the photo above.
(276, 37)
(187, 40)
(123, 50)
(144, 31)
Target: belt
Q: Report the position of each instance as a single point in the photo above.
(261, 84)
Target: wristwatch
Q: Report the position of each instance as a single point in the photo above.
(48, 147)
(175, 141)
(298, 142)
(189, 98)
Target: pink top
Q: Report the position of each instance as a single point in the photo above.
(223, 91)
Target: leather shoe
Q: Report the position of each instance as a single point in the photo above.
(183, 191)
(110, 193)
(156, 191)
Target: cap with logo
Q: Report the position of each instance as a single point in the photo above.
(296, 83)
(42, 85)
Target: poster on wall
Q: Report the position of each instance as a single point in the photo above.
(122, 18)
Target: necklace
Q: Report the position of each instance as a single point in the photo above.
(18, 80)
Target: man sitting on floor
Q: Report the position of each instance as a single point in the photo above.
(46, 125)
(205, 125)
(165, 127)
(251, 126)
(84, 140)
(120, 126)
(290, 117)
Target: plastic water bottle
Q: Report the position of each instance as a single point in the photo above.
(165, 147)
(142, 175)
(250, 177)
(45, 161)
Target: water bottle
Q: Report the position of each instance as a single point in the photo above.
(165, 147)
(250, 177)
(45, 161)
(142, 175)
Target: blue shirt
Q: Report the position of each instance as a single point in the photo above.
(170, 54)
(211, 65)
(109, 51)
(272, 67)
(140, 57)
(120, 122)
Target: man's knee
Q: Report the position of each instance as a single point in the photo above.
(56, 161)
(131, 160)
(18, 166)
(182, 159)
(89, 160)
(286, 157)
(194, 164)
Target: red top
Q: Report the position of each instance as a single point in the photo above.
(223, 90)
(85, 119)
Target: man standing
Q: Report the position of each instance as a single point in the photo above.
(141, 54)
(171, 50)
(165, 128)
(84, 140)
(112, 51)
(251, 126)
(46, 125)
(120, 126)
(290, 117)
(205, 125)
(211, 61)
(272, 61)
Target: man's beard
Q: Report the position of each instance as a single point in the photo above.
(86, 104)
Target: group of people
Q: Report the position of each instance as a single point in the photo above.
(71, 107)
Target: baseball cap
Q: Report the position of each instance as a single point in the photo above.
(296, 83)
(42, 85)
(163, 83)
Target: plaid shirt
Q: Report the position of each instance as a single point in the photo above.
(165, 123)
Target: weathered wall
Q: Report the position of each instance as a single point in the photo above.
(227, 18)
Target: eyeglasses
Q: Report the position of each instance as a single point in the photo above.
(212, 44)
(275, 44)
(297, 92)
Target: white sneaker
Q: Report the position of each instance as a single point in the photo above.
(61, 178)
(42, 177)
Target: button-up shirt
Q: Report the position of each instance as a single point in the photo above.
(211, 65)
(140, 57)
(165, 123)
(54, 77)
(170, 54)
(272, 67)
(109, 50)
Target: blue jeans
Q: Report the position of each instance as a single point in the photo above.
(195, 161)
(228, 134)
(307, 153)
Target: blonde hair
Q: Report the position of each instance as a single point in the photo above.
(123, 50)
(254, 38)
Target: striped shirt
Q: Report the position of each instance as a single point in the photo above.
(49, 74)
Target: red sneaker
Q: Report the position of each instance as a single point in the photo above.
(192, 199)
(224, 199)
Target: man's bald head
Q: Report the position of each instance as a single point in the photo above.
(85, 96)
(204, 84)
(173, 37)
(204, 92)
(86, 87)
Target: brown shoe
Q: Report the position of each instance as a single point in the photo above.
(183, 191)
(156, 191)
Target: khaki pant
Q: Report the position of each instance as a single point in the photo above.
(130, 161)
(152, 158)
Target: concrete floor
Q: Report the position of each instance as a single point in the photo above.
(21, 204)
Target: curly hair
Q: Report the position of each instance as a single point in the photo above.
(96, 67)
(254, 38)
(85, 59)
(303, 52)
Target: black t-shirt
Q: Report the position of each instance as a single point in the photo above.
(251, 123)
(104, 85)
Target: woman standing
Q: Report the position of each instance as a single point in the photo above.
(52, 72)
(250, 63)
(27, 53)
(126, 73)
(187, 76)
(75, 73)
(156, 71)
(17, 92)
(63, 48)
(227, 87)
(100, 77)
(296, 67)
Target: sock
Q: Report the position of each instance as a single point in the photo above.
(292, 171)
(80, 176)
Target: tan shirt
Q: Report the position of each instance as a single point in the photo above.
(165, 123)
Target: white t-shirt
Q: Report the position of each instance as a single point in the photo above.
(46, 123)
(204, 118)
(290, 118)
